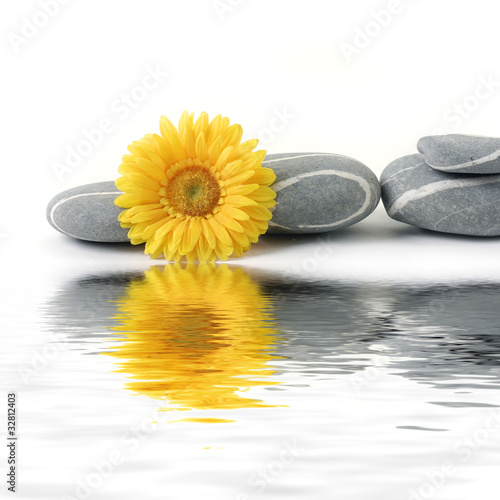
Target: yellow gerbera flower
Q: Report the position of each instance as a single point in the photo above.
(197, 191)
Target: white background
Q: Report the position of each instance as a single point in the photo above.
(422, 72)
(365, 79)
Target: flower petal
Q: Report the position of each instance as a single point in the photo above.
(239, 201)
(204, 249)
(257, 212)
(169, 225)
(251, 230)
(138, 181)
(151, 168)
(151, 229)
(239, 238)
(214, 150)
(263, 176)
(222, 251)
(263, 193)
(242, 189)
(136, 197)
(232, 169)
(239, 179)
(171, 136)
(148, 215)
(191, 236)
(221, 162)
(209, 234)
(232, 136)
(214, 128)
(243, 149)
(220, 231)
(179, 232)
(201, 124)
(228, 222)
(130, 212)
(234, 213)
(201, 147)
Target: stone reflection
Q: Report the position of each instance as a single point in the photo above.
(198, 335)
(195, 336)
(447, 335)
(443, 334)
(329, 327)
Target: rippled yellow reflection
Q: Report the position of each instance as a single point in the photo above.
(196, 336)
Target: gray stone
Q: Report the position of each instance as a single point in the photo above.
(416, 194)
(88, 213)
(464, 154)
(319, 192)
(316, 192)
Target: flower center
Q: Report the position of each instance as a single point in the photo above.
(193, 191)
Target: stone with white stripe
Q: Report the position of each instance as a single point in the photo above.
(416, 194)
(464, 154)
(88, 213)
(319, 192)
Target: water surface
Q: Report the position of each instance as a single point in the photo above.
(217, 382)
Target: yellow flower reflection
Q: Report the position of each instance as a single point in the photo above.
(195, 336)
